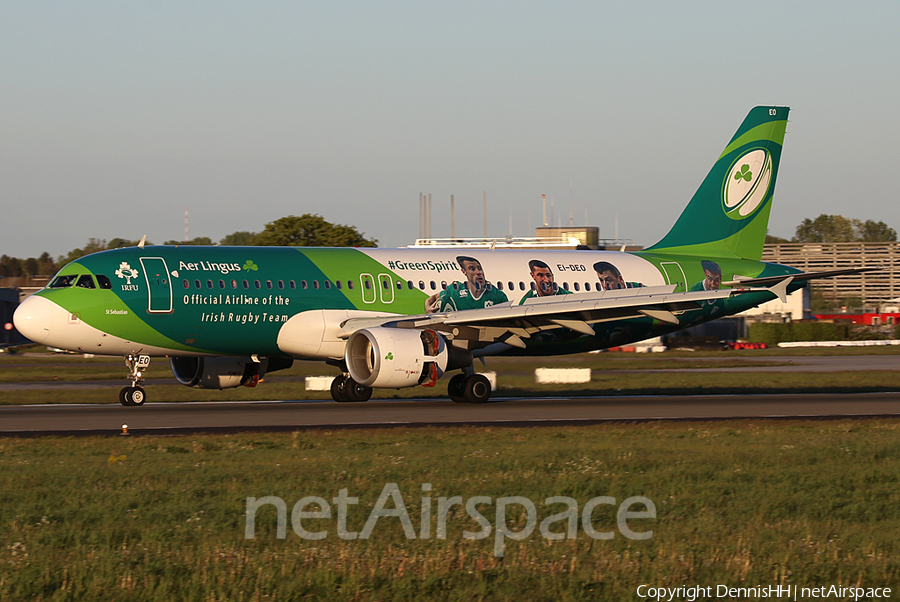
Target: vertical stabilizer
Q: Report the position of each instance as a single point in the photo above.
(729, 214)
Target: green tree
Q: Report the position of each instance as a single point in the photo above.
(200, 240)
(837, 228)
(92, 246)
(775, 240)
(46, 264)
(872, 231)
(310, 230)
(119, 243)
(238, 239)
(826, 228)
(10, 266)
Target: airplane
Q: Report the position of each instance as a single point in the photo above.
(395, 318)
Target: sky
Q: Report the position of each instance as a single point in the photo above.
(116, 116)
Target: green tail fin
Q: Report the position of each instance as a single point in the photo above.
(729, 214)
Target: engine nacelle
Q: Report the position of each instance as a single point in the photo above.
(394, 358)
(220, 372)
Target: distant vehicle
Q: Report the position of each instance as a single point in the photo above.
(396, 318)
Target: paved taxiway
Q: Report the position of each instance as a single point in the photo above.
(185, 417)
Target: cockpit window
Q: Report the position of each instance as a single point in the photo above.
(85, 281)
(64, 281)
(103, 282)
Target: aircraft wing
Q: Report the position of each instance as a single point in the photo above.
(510, 322)
(801, 277)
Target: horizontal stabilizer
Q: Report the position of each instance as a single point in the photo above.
(801, 277)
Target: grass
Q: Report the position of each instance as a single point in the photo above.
(162, 518)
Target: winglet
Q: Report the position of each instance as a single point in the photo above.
(780, 289)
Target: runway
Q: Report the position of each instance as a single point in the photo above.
(194, 417)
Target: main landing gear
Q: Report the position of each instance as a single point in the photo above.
(344, 388)
(469, 388)
(134, 395)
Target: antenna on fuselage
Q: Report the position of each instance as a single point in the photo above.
(143, 240)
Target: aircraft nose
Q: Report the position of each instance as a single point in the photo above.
(32, 318)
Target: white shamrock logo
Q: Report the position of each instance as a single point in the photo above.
(127, 272)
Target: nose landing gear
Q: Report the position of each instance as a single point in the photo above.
(134, 395)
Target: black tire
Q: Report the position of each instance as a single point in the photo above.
(478, 389)
(456, 389)
(357, 392)
(125, 397)
(339, 390)
(137, 396)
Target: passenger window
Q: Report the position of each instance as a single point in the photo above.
(338, 284)
(268, 284)
(511, 287)
(293, 285)
(421, 285)
(281, 284)
(221, 284)
(455, 286)
(196, 283)
(443, 285)
(368, 284)
(534, 287)
(316, 284)
(409, 284)
(234, 284)
(209, 284)
(399, 285)
(246, 284)
(577, 287)
(184, 283)
(350, 284)
(327, 284)
(597, 286)
(433, 286)
(304, 285)
(85, 281)
(384, 284)
(63, 281)
(104, 283)
(256, 284)
(500, 286)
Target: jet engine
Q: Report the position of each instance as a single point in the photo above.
(397, 357)
(223, 372)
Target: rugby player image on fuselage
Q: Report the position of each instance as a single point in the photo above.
(476, 292)
(611, 278)
(712, 277)
(544, 286)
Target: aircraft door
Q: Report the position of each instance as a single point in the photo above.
(367, 285)
(159, 285)
(386, 288)
(675, 275)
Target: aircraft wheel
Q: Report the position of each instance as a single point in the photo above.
(478, 388)
(339, 390)
(137, 396)
(456, 389)
(124, 397)
(357, 392)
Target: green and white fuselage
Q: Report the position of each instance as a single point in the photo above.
(192, 300)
